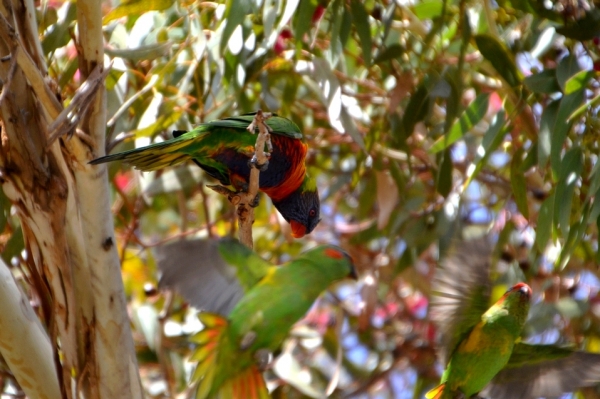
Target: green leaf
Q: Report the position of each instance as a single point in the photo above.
(547, 122)
(582, 29)
(360, 17)
(345, 29)
(568, 104)
(576, 233)
(518, 183)
(502, 61)
(470, 117)
(59, 35)
(389, 53)
(491, 140)
(531, 158)
(68, 72)
(142, 53)
(406, 260)
(578, 81)
(545, 222)
(416, 109)
(428, 9)
(234, 15)
(595, 211)
(163, 122)
(302, 20)
(583, 108)
(136, 8)
(444, 178)
(570, 171)
(543, 82)
(337, 13)
(567, 68)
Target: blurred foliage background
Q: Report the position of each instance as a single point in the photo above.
(426, 121)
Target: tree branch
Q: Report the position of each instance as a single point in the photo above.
(24, 344)
(246, 201)
(245, 209)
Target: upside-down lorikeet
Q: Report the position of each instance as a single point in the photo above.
(223, 149)
(232, 347)
(482, 347)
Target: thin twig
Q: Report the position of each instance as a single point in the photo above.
(125, 106)
(245, 211)
(68, 119)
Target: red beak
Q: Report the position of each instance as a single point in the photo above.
(298, 229)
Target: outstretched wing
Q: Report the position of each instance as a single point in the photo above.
(210, 274)
(461, 289)
(534, 371)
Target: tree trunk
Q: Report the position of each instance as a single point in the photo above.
(64, 210)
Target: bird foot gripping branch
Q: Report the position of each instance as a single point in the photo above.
(260, 161)
(247, 199)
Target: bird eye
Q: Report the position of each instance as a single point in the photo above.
(312, 213)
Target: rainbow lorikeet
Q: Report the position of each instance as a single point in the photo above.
(223, 148)
(265, 302)
(482, 347)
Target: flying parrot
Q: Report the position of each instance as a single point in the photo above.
(265, 302)
(223, 149)
(482, 346)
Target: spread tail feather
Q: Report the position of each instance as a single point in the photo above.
(436, 393)
(248, 384)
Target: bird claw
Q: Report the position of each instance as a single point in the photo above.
(263, 358)
(253, 163)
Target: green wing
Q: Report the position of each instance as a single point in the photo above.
(461, 289)
(160, 155)
(231, 350)
(281, 126)
(250, 268)
(212, 275)
(544, 370)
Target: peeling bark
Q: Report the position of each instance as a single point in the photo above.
(24, 344)
(65, 215)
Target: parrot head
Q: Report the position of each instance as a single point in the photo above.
(339, 254)
(516, 301)
(330, 260)
(301, 209)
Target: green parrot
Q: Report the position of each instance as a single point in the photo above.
(223, 148)
(235, 347)
(482, 346)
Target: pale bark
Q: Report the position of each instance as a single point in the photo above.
(114, 350)
(64, 209)
(24, 344)
(36, 184)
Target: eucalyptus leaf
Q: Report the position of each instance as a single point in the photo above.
(470, 117)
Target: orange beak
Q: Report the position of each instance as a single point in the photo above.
(298, 229)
